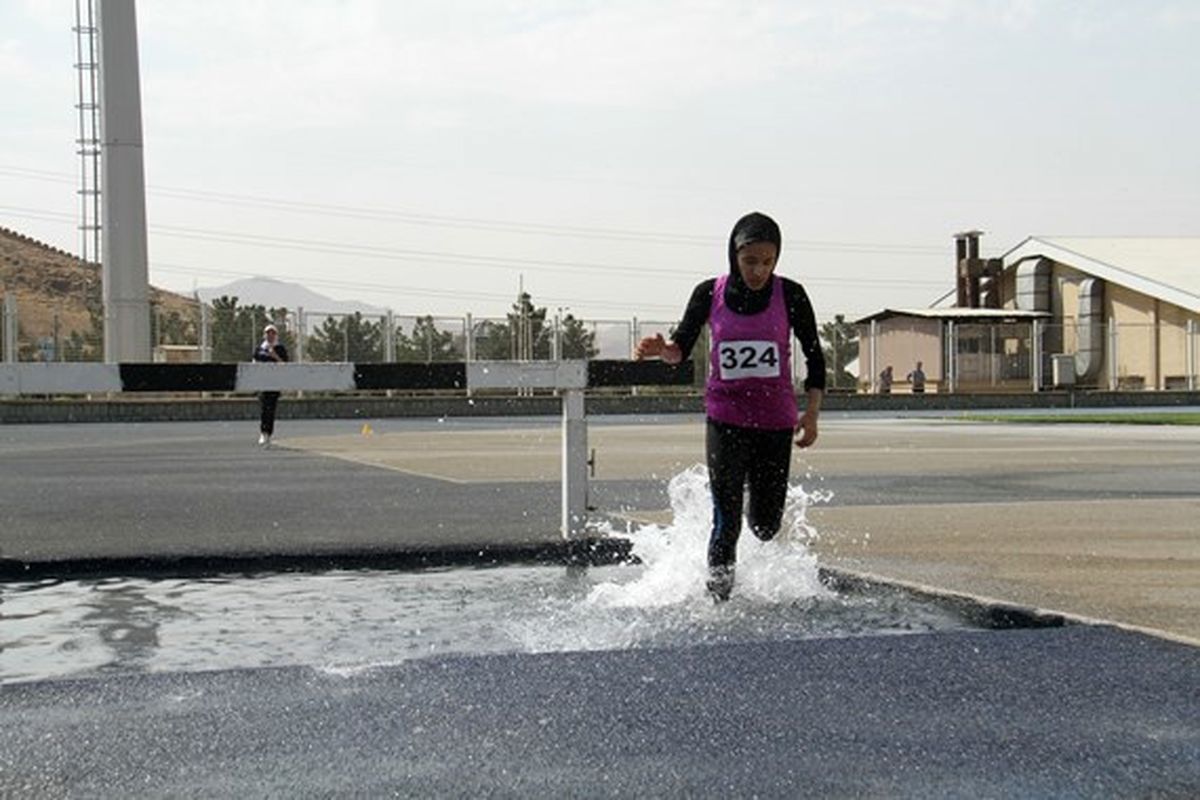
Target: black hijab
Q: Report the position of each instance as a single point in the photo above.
(754, 227)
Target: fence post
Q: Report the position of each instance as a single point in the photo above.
(1036, 354)
(10, 328)
(874, 356)
(1112, 355)
(389, 337)
(468, 343)
(58, 353)
(468, 338)
(300, 334)
(992, 355)
(833, 351)
(1191, 355)
(205, 334)
(952, 355)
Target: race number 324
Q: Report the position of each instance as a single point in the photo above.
(748, 360)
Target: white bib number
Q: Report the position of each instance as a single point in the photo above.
(739, 360)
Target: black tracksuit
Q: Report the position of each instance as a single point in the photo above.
(268, 400)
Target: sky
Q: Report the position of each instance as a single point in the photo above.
(433, 157)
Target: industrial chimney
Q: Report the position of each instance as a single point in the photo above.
(977, 279)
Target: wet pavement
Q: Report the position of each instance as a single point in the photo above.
(347, 621)
(762, 701)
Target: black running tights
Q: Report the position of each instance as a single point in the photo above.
(738, 457)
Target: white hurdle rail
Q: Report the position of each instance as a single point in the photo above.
(571, 379)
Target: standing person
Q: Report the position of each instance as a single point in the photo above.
(270, 350)
(885, 380)
(917, 379)
(749, 399)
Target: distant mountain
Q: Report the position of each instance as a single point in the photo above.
(273, 293)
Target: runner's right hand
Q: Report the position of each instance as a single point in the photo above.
(650, 347)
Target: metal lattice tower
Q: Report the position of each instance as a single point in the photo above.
(88, 68)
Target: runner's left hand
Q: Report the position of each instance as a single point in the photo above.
(806, 430)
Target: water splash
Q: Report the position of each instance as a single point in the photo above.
(663, 601)
(779, 571)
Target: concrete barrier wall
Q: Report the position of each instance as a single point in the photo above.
(157, 409)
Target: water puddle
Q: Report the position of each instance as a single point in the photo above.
(347, 621)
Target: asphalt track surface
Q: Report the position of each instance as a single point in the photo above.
(1075, 711)
(171, 489)
(175, 489)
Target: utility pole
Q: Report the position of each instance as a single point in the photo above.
(124, 261)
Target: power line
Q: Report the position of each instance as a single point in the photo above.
(442, 257)
(502, 226)
(159, 266)
(575, 302)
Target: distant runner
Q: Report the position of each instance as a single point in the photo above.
(270, 350)
(749, 399)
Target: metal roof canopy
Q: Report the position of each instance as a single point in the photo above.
(1166, 268)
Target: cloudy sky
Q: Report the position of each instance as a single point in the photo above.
(430, 156)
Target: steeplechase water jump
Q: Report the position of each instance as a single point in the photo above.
(462, 576)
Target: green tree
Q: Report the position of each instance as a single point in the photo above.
(524, 335)
(349, 338)
(27, 348)
(229, 340)
(75, 348)
(427, 343)
(840, 344)
(236, 330)
(493, 341)
(530, 338)
(171, 327)
(577, 341)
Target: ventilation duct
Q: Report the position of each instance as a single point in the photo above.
(1033, 285)
(1033, 294)
(1089, 358)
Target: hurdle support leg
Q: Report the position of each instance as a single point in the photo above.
(574, 465)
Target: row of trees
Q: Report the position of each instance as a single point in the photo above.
(235, 329)
(525, 333)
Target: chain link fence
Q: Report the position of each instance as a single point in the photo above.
(955, 357)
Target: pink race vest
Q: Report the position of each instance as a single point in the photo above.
(750, 367)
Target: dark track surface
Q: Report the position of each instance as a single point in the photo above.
(1066, 712)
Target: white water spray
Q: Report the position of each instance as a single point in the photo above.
(674, 556)
(663, 600)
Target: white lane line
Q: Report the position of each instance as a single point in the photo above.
(365, 463)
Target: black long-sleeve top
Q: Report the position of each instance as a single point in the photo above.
(741, 299)
(263, 352)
